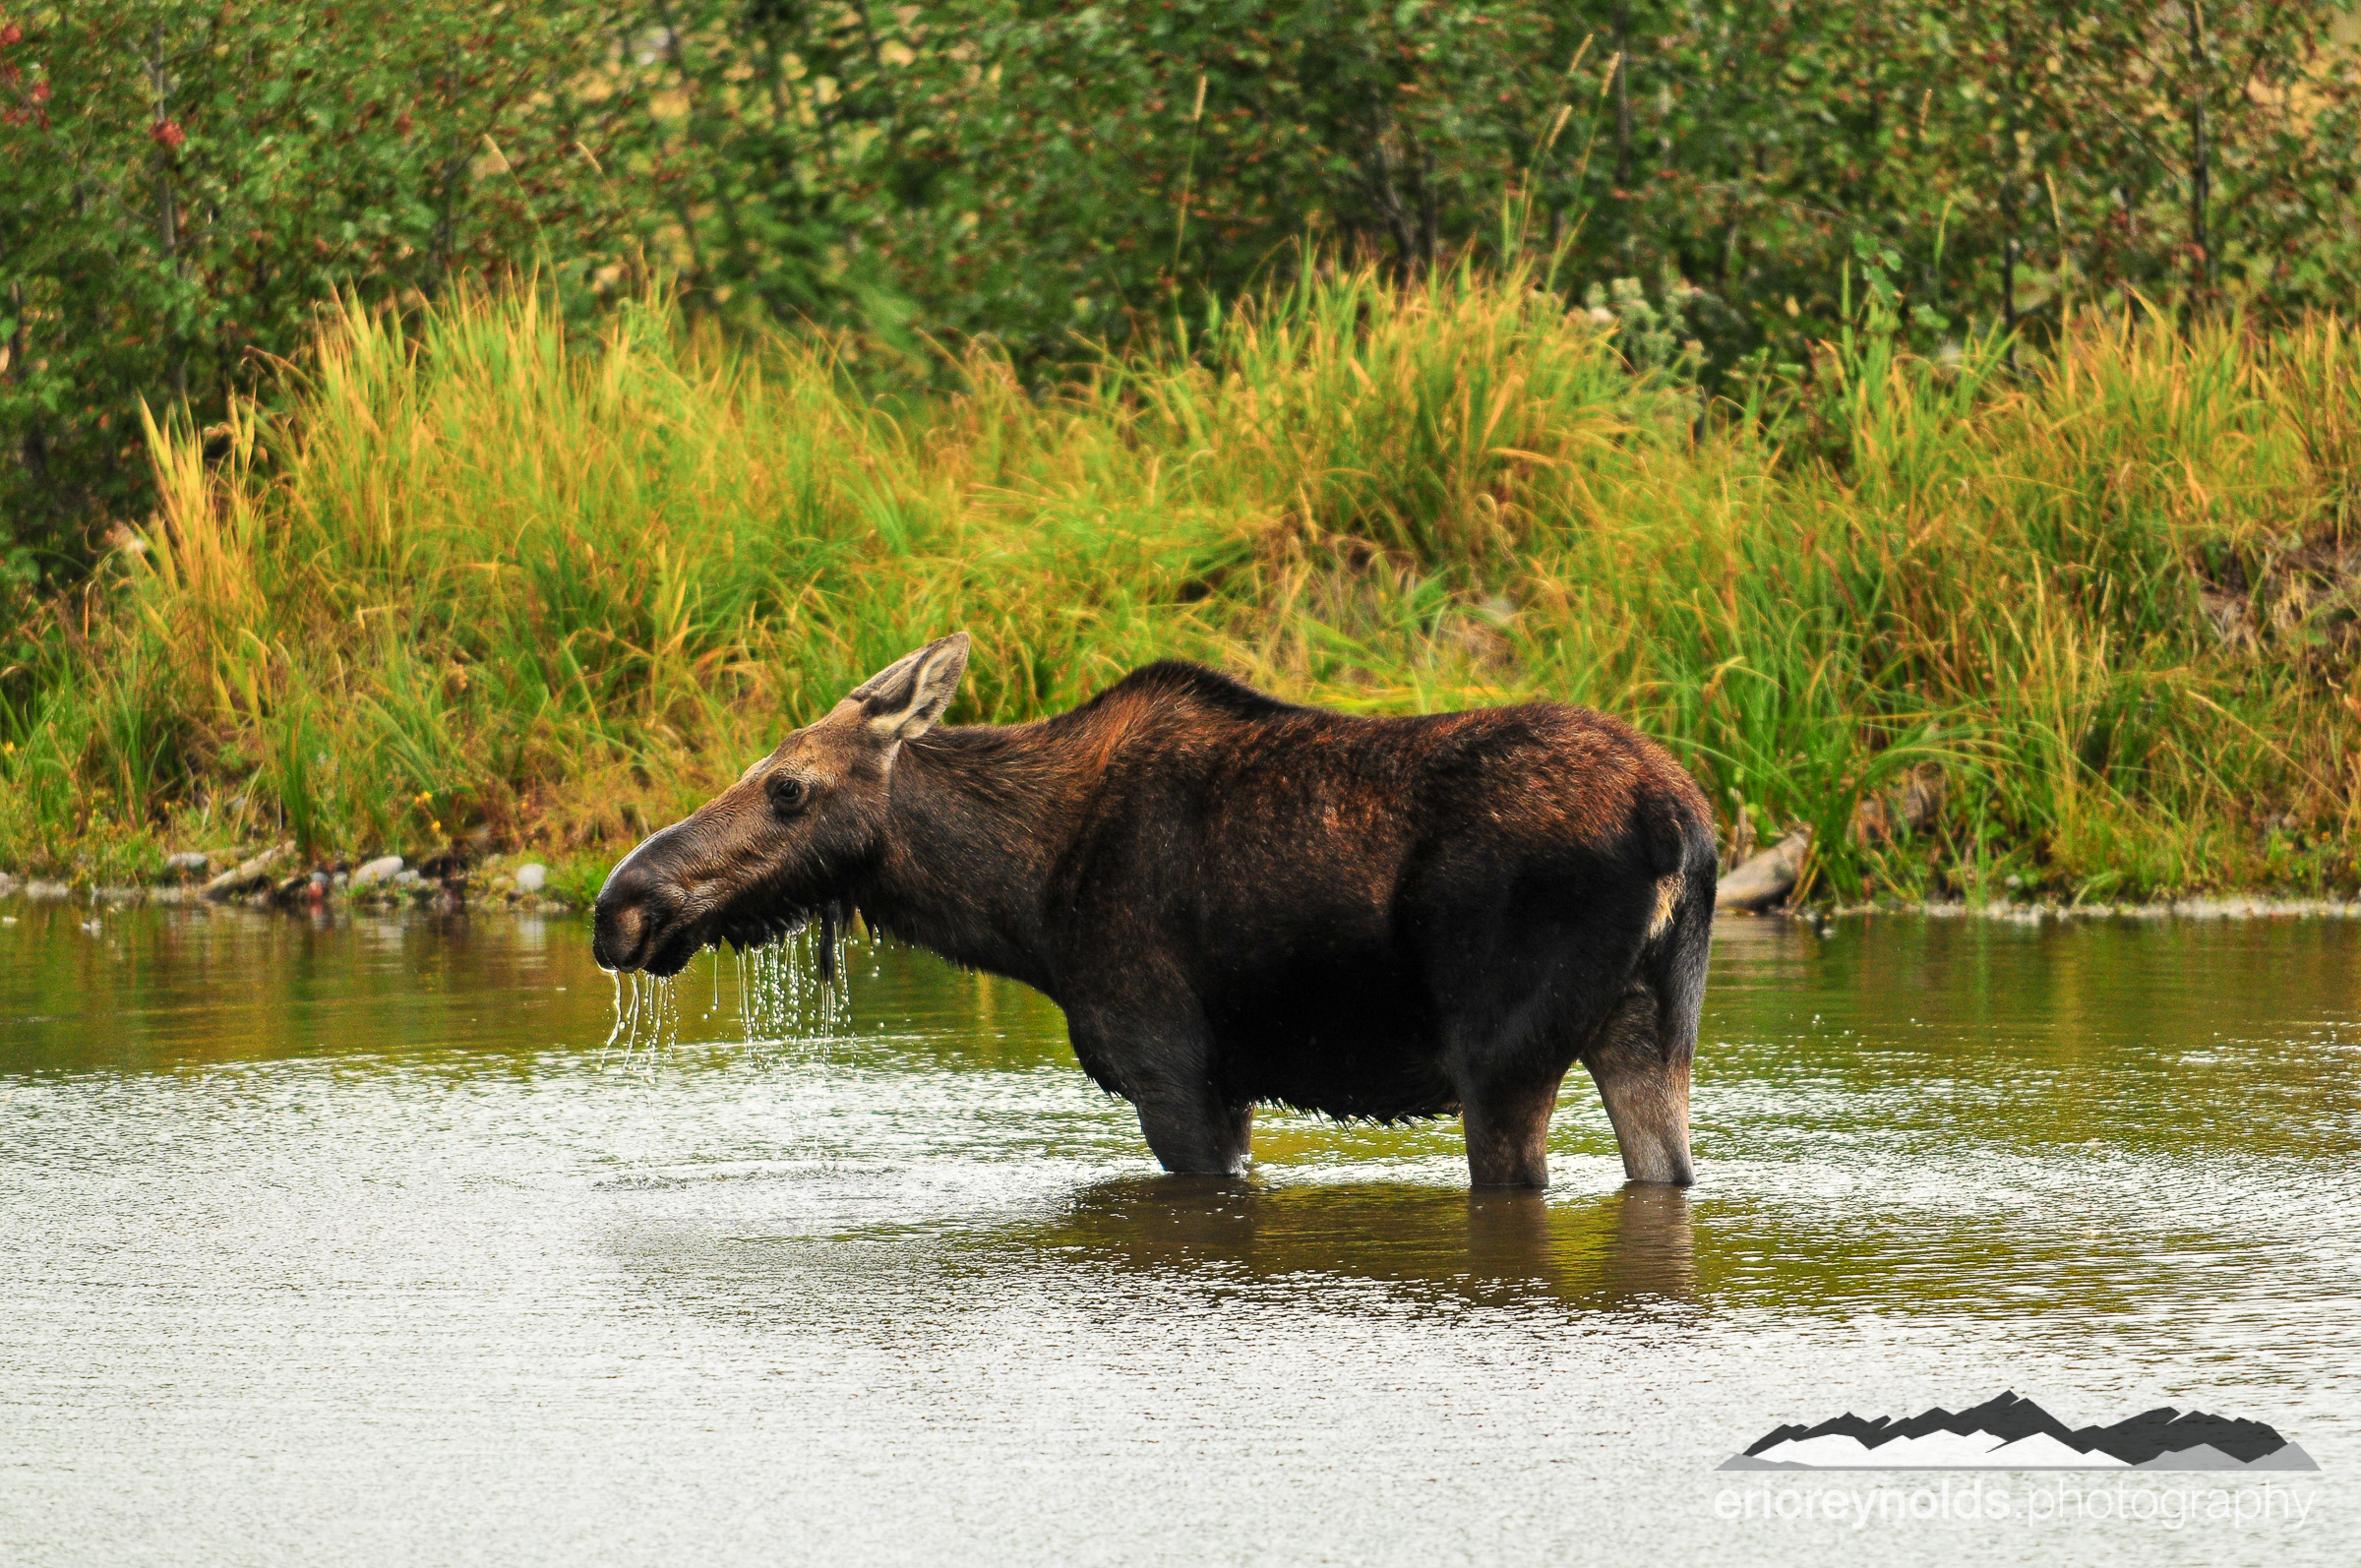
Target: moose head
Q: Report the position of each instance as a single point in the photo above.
(777, 848)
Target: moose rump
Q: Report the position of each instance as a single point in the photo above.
(1240, 901)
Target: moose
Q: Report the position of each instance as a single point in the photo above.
(1240, 901)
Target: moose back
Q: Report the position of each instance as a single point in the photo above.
(1240, 901)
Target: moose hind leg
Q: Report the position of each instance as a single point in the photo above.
(1508, 1132)
(1644, 1079)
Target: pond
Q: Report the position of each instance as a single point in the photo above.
(360, 1241)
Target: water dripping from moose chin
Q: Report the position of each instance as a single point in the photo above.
(791, 994)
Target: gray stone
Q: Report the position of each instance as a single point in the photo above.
(1766, 880)
(47, 890)
(188, 862)
(531, 877)
(248, 873)
(377, 870)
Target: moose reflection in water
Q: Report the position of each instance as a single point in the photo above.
(1240, 901)
(1632, 1247)
(1373, 1243)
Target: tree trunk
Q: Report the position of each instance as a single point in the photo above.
(2199, 170)
(1622, 98)
(168, 202)
(2010, 154)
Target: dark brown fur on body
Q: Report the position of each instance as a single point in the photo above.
(1239, 900)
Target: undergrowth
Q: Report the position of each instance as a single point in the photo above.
(498, 587)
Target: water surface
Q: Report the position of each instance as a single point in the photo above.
(353, 1243)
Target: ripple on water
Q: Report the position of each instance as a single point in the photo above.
(357, 1242)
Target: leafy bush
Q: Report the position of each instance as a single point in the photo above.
(184, 182)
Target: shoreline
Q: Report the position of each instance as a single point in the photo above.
(2223, 907)
(429, 896)
(440, 897)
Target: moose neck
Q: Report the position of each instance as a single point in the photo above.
(974, 821)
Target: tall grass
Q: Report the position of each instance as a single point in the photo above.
(492, 581)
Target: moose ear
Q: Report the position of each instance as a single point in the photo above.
(902, 701)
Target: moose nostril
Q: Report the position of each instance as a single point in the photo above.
(616, 932)
(637, 902)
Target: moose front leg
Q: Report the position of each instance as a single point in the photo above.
(1196, 1134)
(1159, 1057)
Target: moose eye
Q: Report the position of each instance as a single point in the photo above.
(787, 793)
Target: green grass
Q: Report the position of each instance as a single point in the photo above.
(487, 581)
